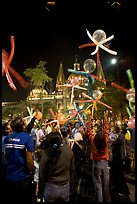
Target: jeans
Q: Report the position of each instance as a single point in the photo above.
(56, 193)
(101, 173)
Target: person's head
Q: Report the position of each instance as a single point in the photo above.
(123, 129)
(54, 139)
(117, 130)
(112, 129)
(17, 124)
(99, 141)
(6, 129)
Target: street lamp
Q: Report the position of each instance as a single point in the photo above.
(114, 62)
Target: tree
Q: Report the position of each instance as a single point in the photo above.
(38, 78)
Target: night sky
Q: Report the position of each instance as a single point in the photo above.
(54, 36)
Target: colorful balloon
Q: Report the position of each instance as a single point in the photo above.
(97, 94)
(72, 112)
(89, 65)
(101, 36)
(130, 77)
(38, 115)
(87, 79)
(74, 81)
(131, 123)
(130, 95)
(74, 84)
(129, 113)
(49, 4)
(6, 68)
(91, 100)
(6, 62)
(132, 106)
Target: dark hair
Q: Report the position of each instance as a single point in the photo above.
(99, 141)
(117, 129)
(17, 124)
(123, 129)
(54, 139)
(5, 129)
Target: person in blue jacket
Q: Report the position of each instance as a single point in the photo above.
(19, 149)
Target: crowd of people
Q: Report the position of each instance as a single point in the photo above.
(48, 162)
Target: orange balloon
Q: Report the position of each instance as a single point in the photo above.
(38, 115)
(51, 3)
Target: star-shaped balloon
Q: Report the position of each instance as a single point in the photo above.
(73, 84)
(99, 38)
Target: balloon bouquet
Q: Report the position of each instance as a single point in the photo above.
(99, 38)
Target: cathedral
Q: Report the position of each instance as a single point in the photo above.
(62, 93)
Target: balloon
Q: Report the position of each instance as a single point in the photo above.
(132, 106)
(74, 84)
(6, 61)
(72, 112)
(89, 65)
(99, 38)
(99, 35)
(91, 100)
(119, 87)
(97, 94)
(129, 112)
(38, 115)
(131, 123)
(79, 114)
(74, 81)
(6, 68)
(51, 3)
(87, 79)
(87, 111)
(130, 77)
(130, 95)
(61, 118)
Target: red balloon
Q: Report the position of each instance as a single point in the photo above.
(131, 123)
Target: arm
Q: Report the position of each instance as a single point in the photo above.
(29, 154)
(89, 131)
(30, 125)
(30, 163)
(106, 125)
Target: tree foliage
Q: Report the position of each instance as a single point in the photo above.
(38, 75)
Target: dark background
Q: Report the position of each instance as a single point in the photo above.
(54, 36)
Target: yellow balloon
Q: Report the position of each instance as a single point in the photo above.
(88, 112)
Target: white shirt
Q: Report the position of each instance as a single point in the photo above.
(39, 135)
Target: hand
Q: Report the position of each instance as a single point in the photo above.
(40, 198)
